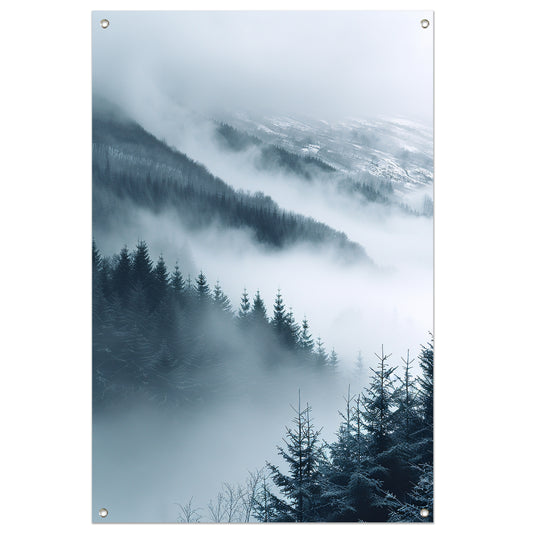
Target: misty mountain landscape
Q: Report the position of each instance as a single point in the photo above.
(262, 286)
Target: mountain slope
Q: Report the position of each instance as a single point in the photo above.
(132, 166)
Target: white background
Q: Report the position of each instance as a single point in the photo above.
(483, 260)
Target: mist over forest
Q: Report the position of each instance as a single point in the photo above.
(262, 274)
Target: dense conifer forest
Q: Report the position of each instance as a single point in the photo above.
(379, 468)
(133, 169)
(159, 337)
(163, 340)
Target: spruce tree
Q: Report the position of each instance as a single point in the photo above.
(220, 300)
(142, 267)
(321, 356)
(259, 314)
(122, 278)
(388, 466)
(244, 310)
(279, 316)
(291, 330)
(300, 488)
(176, 281)
(306, 342)
(333, 360)
(203, 293)
(161, 281)
(425, 398)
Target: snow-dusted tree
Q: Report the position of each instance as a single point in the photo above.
(264, 502)
(419, 500)
(425, 384)
(378, 421)
(301, 487)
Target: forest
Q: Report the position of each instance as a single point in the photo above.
(160, 338)
(163, 340)
(133, 169)
(379, 468)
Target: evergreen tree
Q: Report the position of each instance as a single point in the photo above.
(176, 281)
(301, 486)
(161, 280)
(346, 458)
(359, 374)
(279, 316)
(421, 497)
(388, 466)
(425, 398)
(221, 301)
(259, 314)
(333, 360)
(292, 330)
(321, 357)
(203, 292)
(244, 310)
(142, 267)
(406, 404)
(306, 342)
(263, 505)
(122, 278)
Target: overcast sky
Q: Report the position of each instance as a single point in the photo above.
(325, 65)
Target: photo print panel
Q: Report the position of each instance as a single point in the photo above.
(262, 266)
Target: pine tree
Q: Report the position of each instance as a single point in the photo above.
(359, 374)
(388, 465)
(142, 267)
(333, 360)
(244, 310)
(221, 301)
(292, 330)
(306, 342)
(321, 357)
(279, 316)
(259, 314)
(122, 278)
(425, 398)
(176, 281)
(406, 405)
(420, 497)
(301, 485)
(203, 293)
(161, 280)
(345, 459)
(263, 505)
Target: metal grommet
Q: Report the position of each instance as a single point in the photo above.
(424, 23)
(104, 23)
(424, 513)
(103, 512)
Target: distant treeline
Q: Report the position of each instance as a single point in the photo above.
(379, 468)
(163, 338)
(271, 157)
(132, 167)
